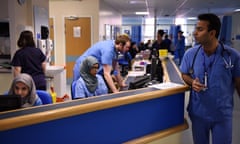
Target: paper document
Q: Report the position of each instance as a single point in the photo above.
(136, 73)
(166, 85)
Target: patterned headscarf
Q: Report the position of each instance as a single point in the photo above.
(85, 67)
(30, 99)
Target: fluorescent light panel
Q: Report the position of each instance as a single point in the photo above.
(136, 1)
(142, 13)
(192, 18)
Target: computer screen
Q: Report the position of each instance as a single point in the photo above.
(139, 82)
(155, 69)
(4, 29)
(10, 102)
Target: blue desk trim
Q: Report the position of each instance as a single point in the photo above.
(108, 126)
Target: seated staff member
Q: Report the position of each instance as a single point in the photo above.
(24, 86)
(89, 83)
(106, 53)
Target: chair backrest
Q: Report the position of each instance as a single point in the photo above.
(45, 96)
(73, 85)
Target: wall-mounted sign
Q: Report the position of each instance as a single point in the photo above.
(77, 32)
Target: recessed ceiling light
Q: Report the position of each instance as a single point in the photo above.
(191, 18)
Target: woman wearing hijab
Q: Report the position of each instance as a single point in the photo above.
(24, 86)
(90, 83)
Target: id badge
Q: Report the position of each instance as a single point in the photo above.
(205, 81)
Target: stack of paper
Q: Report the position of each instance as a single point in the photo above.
(166, 85)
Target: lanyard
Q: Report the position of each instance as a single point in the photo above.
(207, 68)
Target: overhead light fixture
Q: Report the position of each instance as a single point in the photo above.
(237, 10)
(191, 18)
(142, 13)
(136, 1)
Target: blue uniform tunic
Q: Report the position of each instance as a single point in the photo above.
(213, 107)
(103, 51)
(81, 90)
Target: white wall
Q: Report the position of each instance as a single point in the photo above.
(58, 10)
(107, 15)
(18, 16)
(4, 9)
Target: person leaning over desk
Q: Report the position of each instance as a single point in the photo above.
(29, 59)
(212, 69)
(24, 86)
(106, 53)
(89, 83)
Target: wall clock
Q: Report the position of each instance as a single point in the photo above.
(21, 2)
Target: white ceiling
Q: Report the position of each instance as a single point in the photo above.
(175, 8)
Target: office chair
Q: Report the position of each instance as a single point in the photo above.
(73, 85)
(44, 96)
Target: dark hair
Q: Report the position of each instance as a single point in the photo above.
(133, 43)
(122, 39)
(161, 32)
(213, 20)
(26, 39)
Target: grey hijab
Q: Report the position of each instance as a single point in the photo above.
(30, 99)
(85, 67)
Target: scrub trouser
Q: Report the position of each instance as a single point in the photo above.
(221, 131)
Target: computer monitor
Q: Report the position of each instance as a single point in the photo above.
(4, 29)
(10, 102)
(155, 69)
(139, 82)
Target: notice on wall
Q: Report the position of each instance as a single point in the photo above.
(77, 32)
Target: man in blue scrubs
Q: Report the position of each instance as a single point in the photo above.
(180, 46)
(106, 53)
(213, 71)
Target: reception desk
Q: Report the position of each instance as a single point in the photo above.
(134, 116)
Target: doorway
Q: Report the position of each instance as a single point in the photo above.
(78, 40)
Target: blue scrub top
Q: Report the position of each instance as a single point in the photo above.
(81, 90)
(103, 51)
(216, 103)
